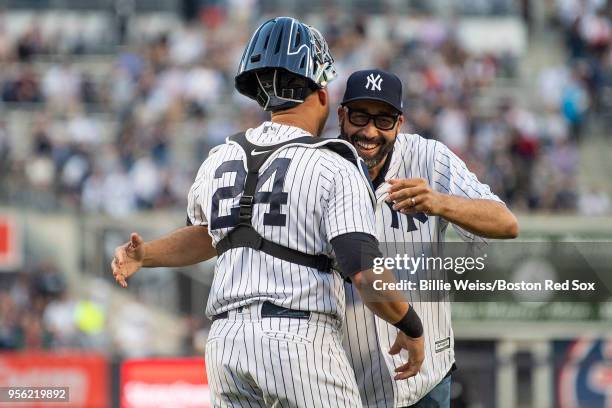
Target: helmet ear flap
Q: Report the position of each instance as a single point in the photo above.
(279, 89)
(263, 92)
(287, 93)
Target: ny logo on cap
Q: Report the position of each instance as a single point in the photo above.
(374, 82)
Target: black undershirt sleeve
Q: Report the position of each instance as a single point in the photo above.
(355, 252)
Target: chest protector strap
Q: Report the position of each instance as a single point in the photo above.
(244, 235)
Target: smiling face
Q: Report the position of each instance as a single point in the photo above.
(372, 143)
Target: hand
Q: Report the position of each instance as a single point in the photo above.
(128, 259)
(415, 195)
(416, 355)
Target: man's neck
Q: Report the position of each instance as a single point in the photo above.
(375, 171)
(378, 174)
(299, 121)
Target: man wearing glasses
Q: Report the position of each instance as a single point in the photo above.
(421, 188)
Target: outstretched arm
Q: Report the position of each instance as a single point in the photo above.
(183, 247)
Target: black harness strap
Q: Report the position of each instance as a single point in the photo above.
(244, 235)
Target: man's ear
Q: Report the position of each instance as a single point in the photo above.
(323, 96)
(400, 122)
(341, 113)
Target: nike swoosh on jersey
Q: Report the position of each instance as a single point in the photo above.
(258, 152)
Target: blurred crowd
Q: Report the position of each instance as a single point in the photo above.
(587, 34)
(130, 133)
(37, 312)
(40, 311)
(583, 86)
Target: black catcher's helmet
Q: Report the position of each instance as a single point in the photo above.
(283, 63)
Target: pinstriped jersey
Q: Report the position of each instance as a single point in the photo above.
(368, 338)
(305, 196)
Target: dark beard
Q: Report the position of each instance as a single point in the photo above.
(370, 162)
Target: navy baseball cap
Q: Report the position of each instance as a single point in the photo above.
(374, 84)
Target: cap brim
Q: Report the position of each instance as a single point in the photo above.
(370, 98)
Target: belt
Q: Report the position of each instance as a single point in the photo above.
(271, 310)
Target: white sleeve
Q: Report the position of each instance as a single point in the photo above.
(349, 206)
(451, 176)
(195, 213)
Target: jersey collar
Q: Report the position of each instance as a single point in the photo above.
(269, 133)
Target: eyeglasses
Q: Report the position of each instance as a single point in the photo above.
(361, 119)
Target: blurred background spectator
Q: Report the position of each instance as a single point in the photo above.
(29, 303)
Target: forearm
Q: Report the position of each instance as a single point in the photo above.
(185, 246)
(486, 218)
(391, 312)
(390, 305)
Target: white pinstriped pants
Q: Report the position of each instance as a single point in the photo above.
(278, 362)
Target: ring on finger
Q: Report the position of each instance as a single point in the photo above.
(412, 202)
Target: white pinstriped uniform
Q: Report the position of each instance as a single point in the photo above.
(254, 361)
(367, 338)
